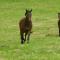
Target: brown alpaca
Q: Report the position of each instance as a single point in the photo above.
(25, 25)
(59, 23)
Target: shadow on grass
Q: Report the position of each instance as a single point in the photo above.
(4, 47)
(52, 35)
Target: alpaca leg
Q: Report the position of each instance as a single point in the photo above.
(22, 39)
(59, 32)
(28, 37)
(25, 37)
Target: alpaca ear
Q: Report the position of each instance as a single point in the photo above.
(59, 16)
(26, 10)
(31, 10)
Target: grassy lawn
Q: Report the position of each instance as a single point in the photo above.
(44, 42)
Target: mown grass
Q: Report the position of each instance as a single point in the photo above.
(44, 42)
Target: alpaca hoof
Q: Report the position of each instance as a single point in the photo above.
(22, 42)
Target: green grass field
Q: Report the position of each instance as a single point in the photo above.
(44, 42)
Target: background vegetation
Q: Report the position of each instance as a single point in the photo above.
(44, 42)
